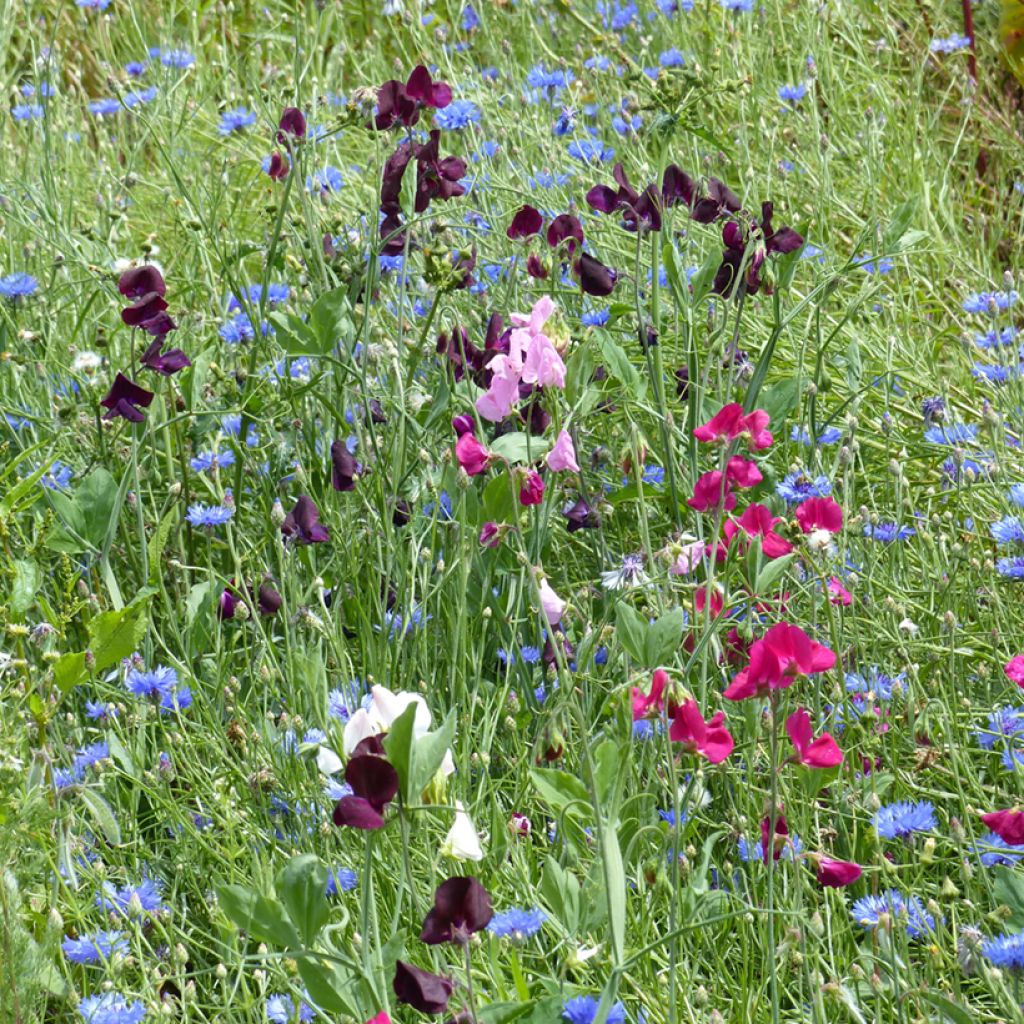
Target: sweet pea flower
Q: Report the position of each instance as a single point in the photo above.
(1014, 670)
(550, 602)
(819, 514)
(712, 491)
(1008, 825)
(423, 991)
(835, 874)
(563, 454)
(742, 472)
(730, 423)
(838, 594)
(823, 752)
(526, 222)
(758, 521)
(652, 704)
(688, 559)
(462, 841)
(777, 659)
(531, 488)
(710, 739)
(472, 456)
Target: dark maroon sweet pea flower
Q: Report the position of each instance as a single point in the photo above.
(292, 126)
(640, 211)
(391, 230)
(463, 424)
(165, 363)
(124, 398)
(677, 187)
(401, 102)
(345, 469)
(394, 171)
(227, 604)
(580, 516)
(682, 376)
(535, 267)
(782, 241)
(738, 240)
(423, 991)
(374, 783)
(278, 167)
(718, 202)
(143, 309)
(303, 523)
(139, 281)
(534, 416)
(526, 222)
(377, 412)
(462, 907)
(401, 514)
(565, 228)
(595, 277)
(437, 178)
(461, 352)
(268, 600)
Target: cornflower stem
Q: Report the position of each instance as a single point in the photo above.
(471, 998)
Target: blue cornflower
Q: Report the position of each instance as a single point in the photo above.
(236, 120)
(179, 699)
(18, 285)
(875, 682)
(830, 435)
(589, 150)
(868, 911)
(209, 515)
(582, 1010)
(643, 729)
(131, 899)
(670, 817)
(152, 685)
(754, 851)
(240, 328)
(135, 68)
(111, 1008)
(952, 433)
(341, 880)
(105, 107)
(1006, 951)
(1008, 530)
(95, 948)
(1003, 723)
(653, 475)
(530, 655)
(329, 179)
(882, 266)
(179, 59)
(458, 114)
(96, 5)
(1012, 568)
(671, 58)
(1016, 495)
(627, 126)
(992, 850)
(951, 44)
(887, 532)
(135, 99)
(738, 5)
(979, 302)
(470, 19)
(599, 317)
(57, 477)
(995, 373)
(90, 755)
(901, 819)
(994, 338)
(792, 93)
(797, 487)
(597, 63)
(517, 924)
(206, 461)
(27, 111)
(97, 711)
(281, 1010)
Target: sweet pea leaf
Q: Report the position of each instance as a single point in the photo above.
(302, 886)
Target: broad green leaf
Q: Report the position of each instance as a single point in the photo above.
(156, 544)
(102, 815)
(330, 986)
(780, 399)
(261, 917)
(498, 505)
(607, 771)
(631, 631)
(701, 282)
(294, 335)
(517, 447)
(899, 225)
(1011, 31)
(329, 318)
(561, 790)
(664, 637)
(948, 1010)
(616, 881)
(398, 745)
(302, 887)
(23, 487)
(1008, 889)
(95, 498)
(503, 1013)
(69, 670)
(115, 635)
(618, 365)
(25, 585)
(560, 890)
(771, 572)
(429, 751)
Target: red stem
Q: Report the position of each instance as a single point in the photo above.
(972, 59)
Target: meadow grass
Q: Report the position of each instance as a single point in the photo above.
(173, 747)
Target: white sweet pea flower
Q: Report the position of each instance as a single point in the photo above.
(358, 728)
(327, 760)
(387, 707)
(463, 842)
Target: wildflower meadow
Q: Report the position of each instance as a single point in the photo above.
(512, 511)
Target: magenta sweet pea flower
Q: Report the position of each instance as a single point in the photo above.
(730, 423)
(140, 281)
(472, 456)
(531, 488)
(713, 490)
(758, 521)
(652, 704)
(1014, 670)
(711, 739)
(823, 752)
(565, 229)
(777, 659)
(401, 103)
(819, 514)
(1008, 825)
(835, 874)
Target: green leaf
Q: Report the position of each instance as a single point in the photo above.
(664, 637)
(561, 790)
(69, 670)
(700, 283)
(302, 886)
(329, 318)
(23, 487)
(156, 544)
(607, 771)
(518, 447)
(780, 399)
(429, 751)
(498, 505)
(25, 585)
(1008, 889)
(102, 815)
(294, 335)
(504, 1013)
(771, 572)
(398, 745)
(898, 226)
(631, 631)
(616, 882)
(261, 917)
(95, 499)
(948, 1010)
(560, 890)
(618, 365)
(330, 986)
(114, 635)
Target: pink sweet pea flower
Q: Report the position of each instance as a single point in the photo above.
(490, 534)
(730, 423)
(381, 1018)
(503, 391)
(552, 604)
(823, 752)
(712, 491)
(834, 874)
(1008, 825)
(563, 454)
(543, 365)
(777, 659)
(707, 596)
(711, 738)
(838, 594)
(774, 839)
(1014, 670)
(473, 457)
(531, 488)
(819, 514)
(742, 472)
(758, 521)
(688, 559)
(650, 705)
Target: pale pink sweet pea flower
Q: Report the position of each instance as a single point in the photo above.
(563, 454)
(688, 559)
(537, 317)
(552, 604)
(496, 403)
(543, 365)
